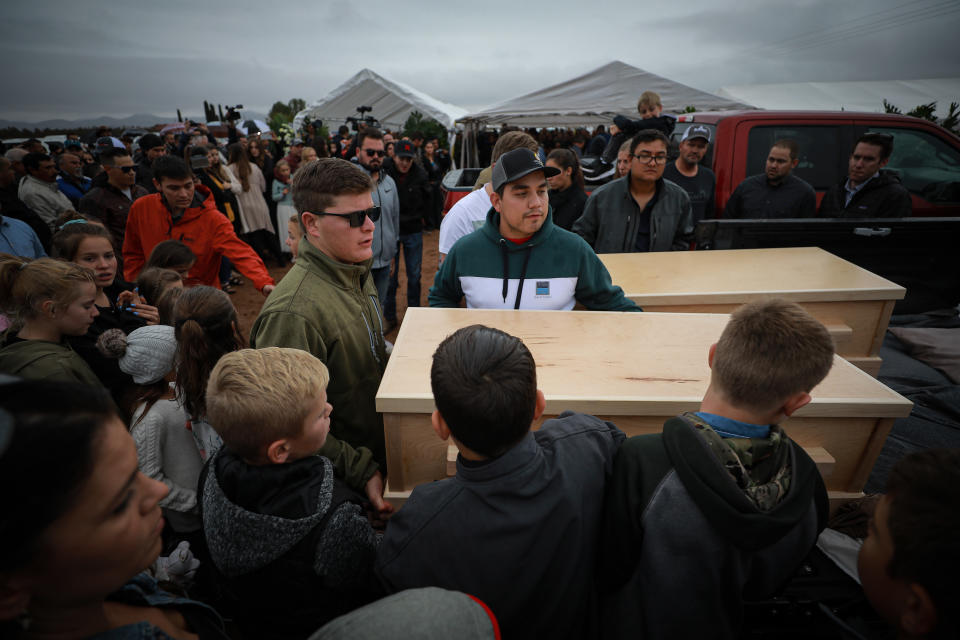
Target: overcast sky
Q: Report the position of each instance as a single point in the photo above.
(75, 58)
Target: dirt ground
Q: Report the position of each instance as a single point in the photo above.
(248, 300)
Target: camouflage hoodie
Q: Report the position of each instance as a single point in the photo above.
(759, 466)
(694, 524)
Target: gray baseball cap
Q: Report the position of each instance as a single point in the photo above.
(696, 131)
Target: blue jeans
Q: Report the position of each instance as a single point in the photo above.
(381, 280)
(412, 245)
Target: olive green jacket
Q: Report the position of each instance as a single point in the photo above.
(331, 310)
(43, 360)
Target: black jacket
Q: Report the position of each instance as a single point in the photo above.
(881, 197)
(413, 191)
(567, 205)
(685, 540)
(629, 128)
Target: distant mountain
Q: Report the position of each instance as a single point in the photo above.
(136, 120)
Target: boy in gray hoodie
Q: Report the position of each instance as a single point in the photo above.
(290, 544)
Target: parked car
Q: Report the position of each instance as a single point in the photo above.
(456, 184)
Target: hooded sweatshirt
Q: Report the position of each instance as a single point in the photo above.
(290, 544)
(696, 523)
(201, 227)
(554, 269)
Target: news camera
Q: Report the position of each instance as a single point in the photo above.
(233, 113)
(370, 121)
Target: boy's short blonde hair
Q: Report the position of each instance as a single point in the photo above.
(258, 396)
(649, 99)
(770, 350)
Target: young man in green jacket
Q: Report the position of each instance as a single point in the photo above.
(519, 259)
(327, 305)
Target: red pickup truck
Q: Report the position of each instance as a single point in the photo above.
(926, 156)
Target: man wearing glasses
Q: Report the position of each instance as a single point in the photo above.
(327, 305)
(110, 203)
(640, 211)
(386, 231)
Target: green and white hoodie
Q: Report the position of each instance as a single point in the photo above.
(553, 270)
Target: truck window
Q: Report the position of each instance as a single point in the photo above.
(821, 151)
(927, 165)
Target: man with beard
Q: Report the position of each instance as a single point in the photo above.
(413, 194)
(370, 155)
(110, 203)
(698, 181)
(776, 193)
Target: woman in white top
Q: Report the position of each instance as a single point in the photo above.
(257, 228)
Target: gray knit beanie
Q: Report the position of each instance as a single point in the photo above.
(147, 354)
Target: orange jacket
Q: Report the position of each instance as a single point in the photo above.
(205, 230)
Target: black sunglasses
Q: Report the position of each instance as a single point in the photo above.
(373, 152)
(357, 218)
(132, 167)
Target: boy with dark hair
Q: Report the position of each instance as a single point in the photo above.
(721, 506)
(517, 525)
(909, 562)
(184, 210)
(289, 542)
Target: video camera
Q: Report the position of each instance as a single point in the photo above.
(307, 123)
(370, 121)
(233, 113)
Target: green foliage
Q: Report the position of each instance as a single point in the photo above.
(689, 109)
(890, 108)
(950, 122)
(924, 111)
(283, 113)
(429, 127)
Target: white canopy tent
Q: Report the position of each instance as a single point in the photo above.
(849, 96)
(595, 97)
(392, 103)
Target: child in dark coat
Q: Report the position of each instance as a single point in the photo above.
(518, 524)
(721, 506)
(290, 543)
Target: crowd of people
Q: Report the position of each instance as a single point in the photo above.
(175, 478)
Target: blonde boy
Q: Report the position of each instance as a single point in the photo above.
(290, 544)
(649, 105)
(624, 129)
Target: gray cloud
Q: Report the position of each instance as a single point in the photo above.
(70, 59)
